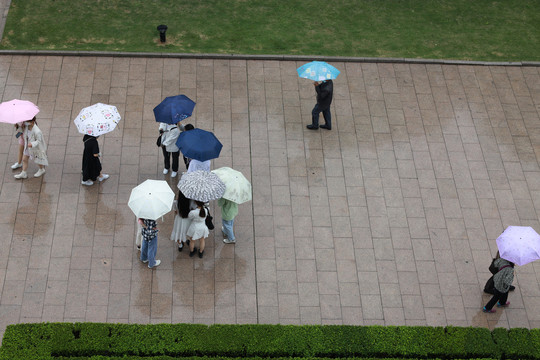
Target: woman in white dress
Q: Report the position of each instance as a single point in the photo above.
(183, 206)
(34, 148)
(197, 229)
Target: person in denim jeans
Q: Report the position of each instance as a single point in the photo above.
(229, 210)
(149, 244)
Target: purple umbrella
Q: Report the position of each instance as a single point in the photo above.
(519, 244)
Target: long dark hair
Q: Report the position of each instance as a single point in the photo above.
(202, 212)
(183, 205)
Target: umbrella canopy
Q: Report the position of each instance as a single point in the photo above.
(318, 71)
(174, 109)
(519, 244)
(237, 187)
(201, 185)
(151, 199)
(15, 111)
(97, 119)
(199, 144)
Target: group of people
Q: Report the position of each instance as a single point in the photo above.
(189, 225)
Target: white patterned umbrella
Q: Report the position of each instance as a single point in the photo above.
(201, 186)
(237, 187)
(97, 119)
(151, 199)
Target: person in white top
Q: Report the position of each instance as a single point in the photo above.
(169, 135)
(197, 229)
(35, 149)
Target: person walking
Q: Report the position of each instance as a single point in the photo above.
(502, 281)
(229, 210)
(325, 91)
(20, 138)
(169, 135)
(197, 229)
(183, 206)
(149, 243)
(34, 148)
(91, 166)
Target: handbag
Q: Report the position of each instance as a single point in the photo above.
(208, 220)
(158, 141)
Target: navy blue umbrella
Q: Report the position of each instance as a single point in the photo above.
(199, 144)
(174, 109)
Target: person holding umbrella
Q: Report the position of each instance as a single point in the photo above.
(502, 281)
(169, 134)
(324, 90)
(183, 206)
(91, 166)
(197, 229)
(149, 244)
(20, 138)
(237, 191)
(35, 149)
(322, 74)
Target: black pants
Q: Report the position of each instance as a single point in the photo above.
(326, 114)
(167, 158)
(498, 296)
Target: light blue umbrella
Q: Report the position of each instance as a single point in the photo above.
(318, 71)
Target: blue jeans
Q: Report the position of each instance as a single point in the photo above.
(148, 251)
(326, 114)
(228, 228)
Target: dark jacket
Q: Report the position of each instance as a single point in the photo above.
(324, 94)
(91, 166)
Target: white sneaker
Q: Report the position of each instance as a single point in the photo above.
(87, 182)
(157, 264)
(229, 241)
(21, 175)
(40, 172)
(173, 174)
(165, 171)
(103, 177)
(16, 165)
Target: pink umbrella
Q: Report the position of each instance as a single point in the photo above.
(519, 244)
(15, 111)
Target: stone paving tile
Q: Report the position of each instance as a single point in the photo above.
(390, 218)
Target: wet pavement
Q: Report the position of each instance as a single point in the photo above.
(389, 218)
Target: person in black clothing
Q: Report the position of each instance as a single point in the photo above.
(91, 166)
(325, 90)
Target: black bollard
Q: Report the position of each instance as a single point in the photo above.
(162, 30)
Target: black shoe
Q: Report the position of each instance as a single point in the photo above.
(312, 127)
(191, 253)
(325, 127)
(181, 247)
(201, 253)
(512, 288)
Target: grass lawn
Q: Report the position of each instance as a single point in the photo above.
(502, 30)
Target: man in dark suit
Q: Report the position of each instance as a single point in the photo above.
(325, 91)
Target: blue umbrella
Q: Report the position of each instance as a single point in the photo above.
(199, 144)
(174, 109)
(318, 71)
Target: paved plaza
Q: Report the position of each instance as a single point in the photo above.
(389, 218)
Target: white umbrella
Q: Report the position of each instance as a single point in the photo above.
(237, 187)
(97, 119)
(201, 185)
(151, 199)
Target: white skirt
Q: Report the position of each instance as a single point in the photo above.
(198, 230)
(180, 228)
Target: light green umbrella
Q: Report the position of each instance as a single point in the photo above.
(237, 187)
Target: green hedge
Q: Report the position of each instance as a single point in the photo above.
(166, 341)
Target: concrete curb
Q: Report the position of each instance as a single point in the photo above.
(267, 57)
